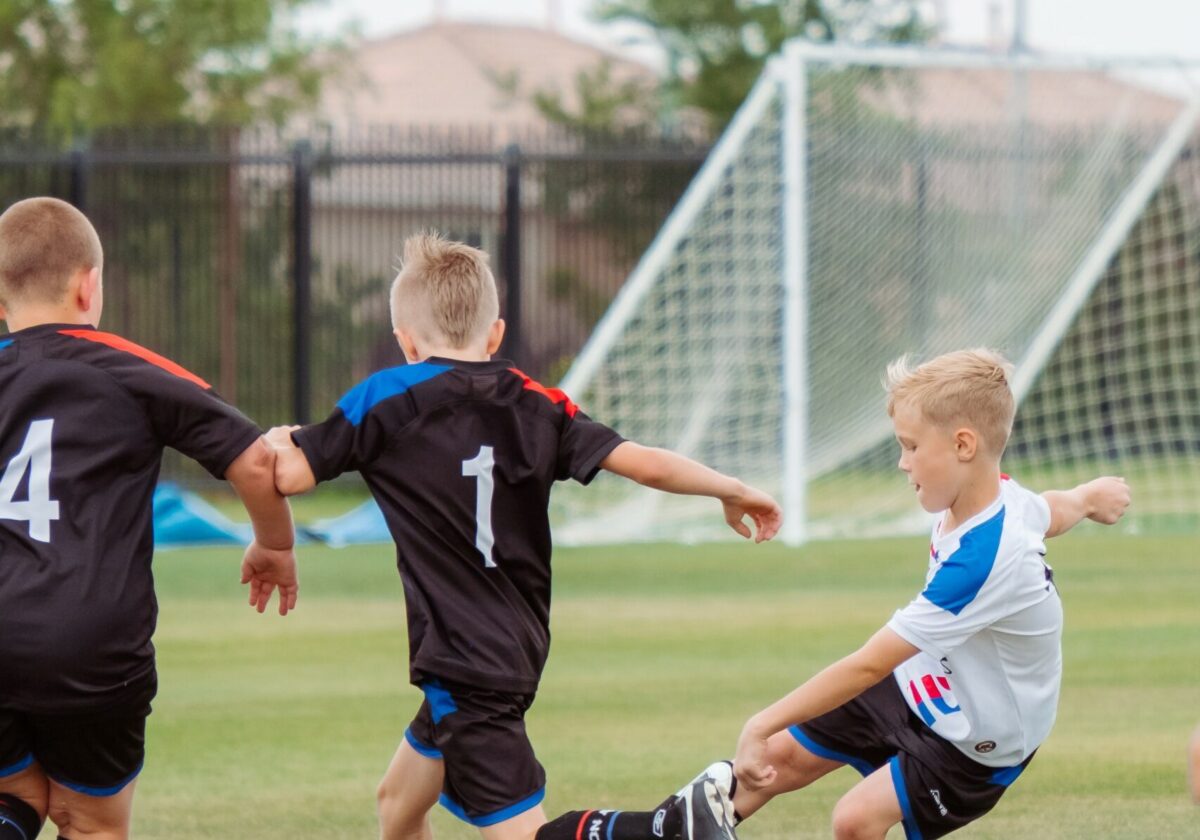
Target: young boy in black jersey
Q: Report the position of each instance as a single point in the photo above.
(461, 452)
(84, 417)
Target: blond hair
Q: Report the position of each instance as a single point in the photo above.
(444, 291)
(43, 243)
(963, 388)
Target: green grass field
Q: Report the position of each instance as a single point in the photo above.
(279, 728)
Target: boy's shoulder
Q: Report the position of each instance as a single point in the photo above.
(435, 382)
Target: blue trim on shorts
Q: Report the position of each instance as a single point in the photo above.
(1007, 775)
(19, 766)
(440, 701)
(861, 765)
(5, 343)
(87, 790)
(911, 830)
(428, 752)
(500, 816)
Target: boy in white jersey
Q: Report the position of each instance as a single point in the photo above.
(944, 706)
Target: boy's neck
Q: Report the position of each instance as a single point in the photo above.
(456, 355)
(36, 316)
(980, 489)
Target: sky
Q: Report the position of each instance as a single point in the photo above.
(1121, 27)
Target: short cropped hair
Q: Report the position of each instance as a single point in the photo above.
(43, 242)
(444, 291)
(964, 388)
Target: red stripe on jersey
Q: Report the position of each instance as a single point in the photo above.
(553, 394)
(1005, 477)
(118, 343)
(944, 683)
(916, 695)
(931, 687)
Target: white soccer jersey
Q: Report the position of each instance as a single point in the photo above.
(989, 626)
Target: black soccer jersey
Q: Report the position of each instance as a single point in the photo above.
(84, 417)
(461, 457)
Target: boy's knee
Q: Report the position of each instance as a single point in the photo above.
(849, 823)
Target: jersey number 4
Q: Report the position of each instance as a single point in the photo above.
(33, 458)
(481, 466)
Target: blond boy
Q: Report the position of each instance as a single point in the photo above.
(461, 451)
(83, 421)
(944, 706)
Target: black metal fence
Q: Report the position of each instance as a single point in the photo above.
(263, 263)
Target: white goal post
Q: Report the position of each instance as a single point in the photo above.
(870, 202)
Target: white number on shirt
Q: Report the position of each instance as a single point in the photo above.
(481, 467)
(34, 457)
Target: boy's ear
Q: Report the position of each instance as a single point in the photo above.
(495, 336)
(87, 291)
(966, 444)
(407, 345)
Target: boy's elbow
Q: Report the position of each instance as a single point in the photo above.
(254, 467)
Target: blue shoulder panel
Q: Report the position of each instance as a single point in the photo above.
(963, 573)
(4, 342)
(387, 383)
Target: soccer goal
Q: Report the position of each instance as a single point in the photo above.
(870, 202)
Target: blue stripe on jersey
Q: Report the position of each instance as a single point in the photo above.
(496, 816)
(387, 383)
(5, 342)
(963, 573)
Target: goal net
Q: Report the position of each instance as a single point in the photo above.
(869, 203)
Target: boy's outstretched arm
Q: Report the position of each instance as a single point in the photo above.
(293, 473)
(1102, 500)
(675, 473)
(270, 561)
(840, 682)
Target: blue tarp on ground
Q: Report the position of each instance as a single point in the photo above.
(182, 518)
(364, 524)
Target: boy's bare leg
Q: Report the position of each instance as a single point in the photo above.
(869, 809)
(30, 786)
(82, 817)
(795, 767)
(407, 794)
(521, 827)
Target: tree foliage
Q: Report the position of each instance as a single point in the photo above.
(86, 64)
(716, 49)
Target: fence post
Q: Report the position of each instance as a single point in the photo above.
(302, 166)
(511, 256)
(78, 186)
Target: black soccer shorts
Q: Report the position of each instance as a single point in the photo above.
(96, 752)
(491, 773)
(939, 788)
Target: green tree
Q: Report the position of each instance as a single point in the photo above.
(69, 65)
(716, 49)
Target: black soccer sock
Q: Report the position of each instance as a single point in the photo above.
(18, 819)
(663, 823)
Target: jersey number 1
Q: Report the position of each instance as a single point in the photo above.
(34, 457)
(481, 467)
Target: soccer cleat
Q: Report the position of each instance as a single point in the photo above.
(706, 804)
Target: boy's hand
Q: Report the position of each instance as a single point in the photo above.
(750, 762)
(268, 569)
(759, 507)
(280, 437)
(1107, 499)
